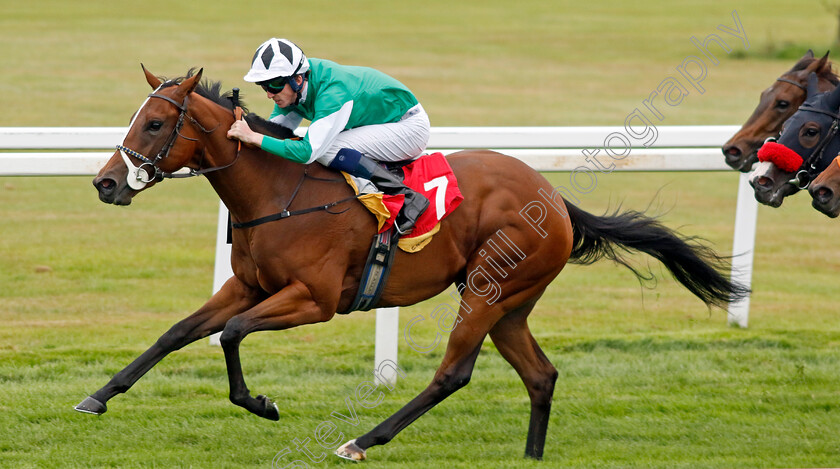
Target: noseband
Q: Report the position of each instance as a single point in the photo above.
(158, 175)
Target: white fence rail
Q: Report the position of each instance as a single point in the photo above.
(69, 151)
(677, 148)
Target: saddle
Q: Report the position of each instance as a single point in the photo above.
(429, 175)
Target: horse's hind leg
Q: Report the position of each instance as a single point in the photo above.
(455, 371)
(453, 374)
(516, 344)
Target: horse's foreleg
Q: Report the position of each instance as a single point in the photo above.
(230, 300)
(290, 307)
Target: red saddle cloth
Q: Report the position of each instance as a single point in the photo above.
(431, 176)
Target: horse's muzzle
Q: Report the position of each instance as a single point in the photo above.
(825, 200)
(766, 192)
(109, 191)
(738, 159)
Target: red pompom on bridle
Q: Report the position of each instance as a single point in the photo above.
(783, 157)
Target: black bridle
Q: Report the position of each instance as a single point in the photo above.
(158, 174)
(796, 84)
(809, 171)
(176, 132)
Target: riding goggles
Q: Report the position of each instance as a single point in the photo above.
(275, 85)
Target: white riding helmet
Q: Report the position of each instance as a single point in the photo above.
(276, 58)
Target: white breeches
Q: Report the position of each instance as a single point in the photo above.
(396, 141)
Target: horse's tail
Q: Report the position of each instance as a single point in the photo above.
(694, 265)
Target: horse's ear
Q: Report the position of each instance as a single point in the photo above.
(808, 55)
(822, 63)
(153, 81)
(833, 102)
(813, 85)
(188, 85)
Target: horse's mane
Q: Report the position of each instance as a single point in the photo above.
(826, 72)
(212, 90)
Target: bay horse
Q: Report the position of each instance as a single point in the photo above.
(777, 103)
(808, 143)
(825, 190)
(302, 269)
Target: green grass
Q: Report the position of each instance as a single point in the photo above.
(470, 63)
(648, 377)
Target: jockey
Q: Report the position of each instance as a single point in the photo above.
(358, 116)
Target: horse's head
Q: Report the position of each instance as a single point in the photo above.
(825, 190)
(808, 142)
(162, 138)
(776, 105)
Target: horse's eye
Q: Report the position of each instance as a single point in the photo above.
(154, 126)
(812, 132)
(782, 104)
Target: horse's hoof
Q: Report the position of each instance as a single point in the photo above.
(351, 452)
(91, 406)
(270, 409)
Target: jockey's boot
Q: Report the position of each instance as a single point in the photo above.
(359, 165)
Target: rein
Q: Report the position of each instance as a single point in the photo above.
(170, 142)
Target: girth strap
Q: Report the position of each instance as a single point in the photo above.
(376, 271)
